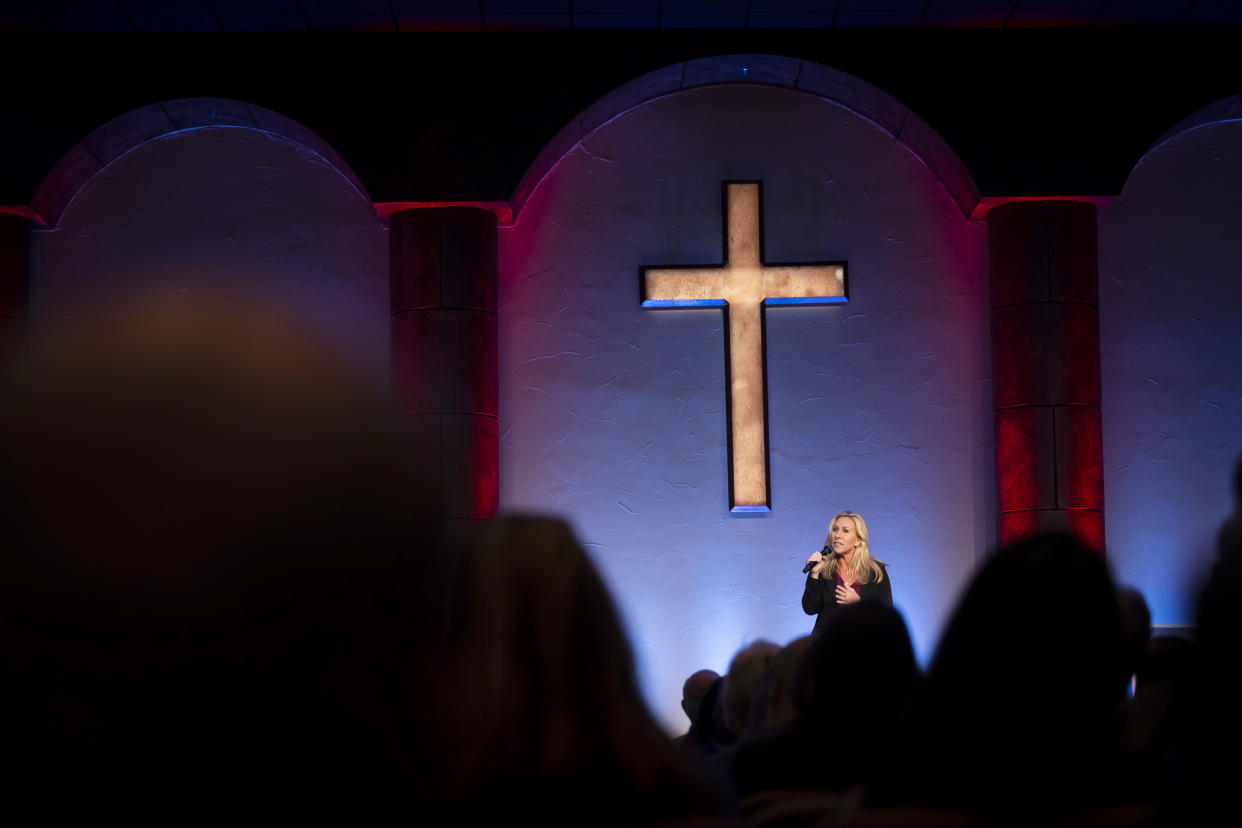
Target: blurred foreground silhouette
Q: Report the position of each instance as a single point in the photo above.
(217, 565)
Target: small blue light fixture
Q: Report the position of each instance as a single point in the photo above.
(745, 69)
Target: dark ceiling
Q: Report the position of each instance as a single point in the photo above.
(495, 15)
(1067, 107)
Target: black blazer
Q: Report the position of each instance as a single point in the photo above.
(819, 598)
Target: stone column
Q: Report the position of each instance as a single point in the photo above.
(14, 278)
(1046, 369)
(443, 270)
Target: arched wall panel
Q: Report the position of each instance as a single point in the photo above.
(615, 416)
(215, 209)
(1171, 347)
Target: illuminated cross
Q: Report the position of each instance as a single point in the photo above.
(744, 285)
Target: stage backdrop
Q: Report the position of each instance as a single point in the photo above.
(1171, 357)
(615, 415)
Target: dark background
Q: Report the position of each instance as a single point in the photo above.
(460, 116)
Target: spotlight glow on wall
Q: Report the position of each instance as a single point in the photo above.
(744, 286)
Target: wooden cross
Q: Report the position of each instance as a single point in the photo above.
(744, 286)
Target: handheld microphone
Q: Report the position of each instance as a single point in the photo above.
(811, 564)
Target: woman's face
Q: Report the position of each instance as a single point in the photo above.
(844, 537)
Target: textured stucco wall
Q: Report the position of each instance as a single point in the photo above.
(216, 209)
(1171, 336)
(615, 416)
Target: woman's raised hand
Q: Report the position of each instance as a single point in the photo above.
(815, 558)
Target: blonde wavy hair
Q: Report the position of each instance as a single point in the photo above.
(864, 568)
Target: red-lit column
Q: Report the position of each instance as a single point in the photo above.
(1046, 369)
(14, 277)
(443, 270)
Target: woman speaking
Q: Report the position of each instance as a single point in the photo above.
(844, 572)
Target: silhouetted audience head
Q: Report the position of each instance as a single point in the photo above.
(1135, 628)
(1169, 656)
(693, 691)
(740, 684)
(543, 716)
(1023, 687)
(1220, 613)
(775, 704)
(1229, 541)
(863, 654)
(214, 542)
(861, 668)
(844, 690)
(1213, 718)
(1220, 610)
(706, 731)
